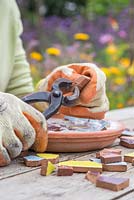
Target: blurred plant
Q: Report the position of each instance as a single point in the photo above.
(99, 7)
(120, 76)
(101, 40)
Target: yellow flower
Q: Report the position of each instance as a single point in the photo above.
(125, 62)
(120, 105)
(106, 70)
(115, 71)
(131, 71)
(53, 51)
(81, 36)
(111, 49)
(120, 80)
(36, 56)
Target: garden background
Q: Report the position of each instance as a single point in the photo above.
(58, 32)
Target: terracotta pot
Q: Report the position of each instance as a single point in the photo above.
(83, 141)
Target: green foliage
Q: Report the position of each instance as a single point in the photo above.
(64, 7)
(70, 8)
(102, 7)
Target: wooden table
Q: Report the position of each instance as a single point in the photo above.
(21, 183)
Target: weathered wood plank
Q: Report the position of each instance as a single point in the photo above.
(17, 166)
(53, 187)
(121, 114)
(34, 186)
(128, 196)
(129, 123)
(125, 115)
(21, 182)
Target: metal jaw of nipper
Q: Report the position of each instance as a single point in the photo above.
(56, 97)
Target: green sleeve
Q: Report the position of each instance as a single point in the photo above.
(20, 82)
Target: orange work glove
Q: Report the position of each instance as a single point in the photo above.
(21, 127)
(93, 102)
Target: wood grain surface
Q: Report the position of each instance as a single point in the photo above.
(22, 183)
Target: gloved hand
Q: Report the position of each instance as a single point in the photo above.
(21, 127)
(93, 102)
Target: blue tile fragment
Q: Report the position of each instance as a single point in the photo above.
(33, 158)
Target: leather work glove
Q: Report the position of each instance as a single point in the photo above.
(21, 127)
(93, 102)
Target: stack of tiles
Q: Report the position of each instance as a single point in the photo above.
(111, 160)
(107, 158)
(112, 167)
(127, 141)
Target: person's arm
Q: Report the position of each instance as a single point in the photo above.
(21, 126)
(20, 82)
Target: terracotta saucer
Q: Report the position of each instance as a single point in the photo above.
(73, 141)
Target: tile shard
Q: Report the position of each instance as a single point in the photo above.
(32, 161)
(82, 166)
(47, 168)
(53, 158)
(112, 183)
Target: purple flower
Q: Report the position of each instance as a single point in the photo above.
(106, 38)
(122, 34)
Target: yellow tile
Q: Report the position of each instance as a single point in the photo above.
(48, 155)
(75, 163)
(50, 168)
